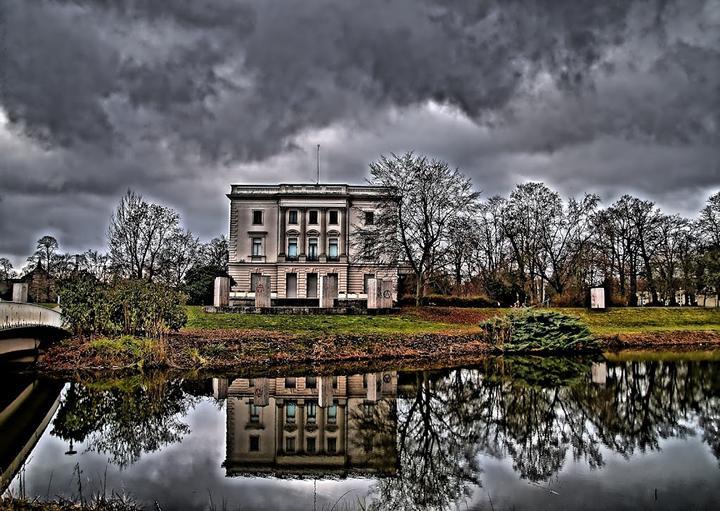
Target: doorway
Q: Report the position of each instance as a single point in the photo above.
(291, 285)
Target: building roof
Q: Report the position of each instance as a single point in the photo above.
(241, 191)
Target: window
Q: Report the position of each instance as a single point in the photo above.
(290, 410)
(369, 218)
(335, 382)
(292, 248)
(313, 217)
(332, 414)
(290, 383)
(311, 382)
(313, 249)
(368, 409)
(333, 218)
(254, 413)
(254, 279)
(311, 409)
(332, 445)
(256, 247)
(310, 445)
(367, 277)
(333, 248)
(254, 443)
(290, 444)
(292, 217)
(257, 217)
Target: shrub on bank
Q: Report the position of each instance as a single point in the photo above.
(125, 307)
(538, 331)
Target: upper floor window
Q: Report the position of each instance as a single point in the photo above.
(369, 218)
(333, 248)
(292, 217)
(254, 413)
(313, 217)
(332, 414)
(312, 249)
(333, 218)
(311, 409)
(292, 248)
(290, 409)
(256, 247)
(257, 217)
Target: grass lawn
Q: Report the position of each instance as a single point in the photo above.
(630, 320)
(321, 324)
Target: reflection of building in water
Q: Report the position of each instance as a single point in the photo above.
(334, 425)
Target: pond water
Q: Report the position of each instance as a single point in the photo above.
(622, 432)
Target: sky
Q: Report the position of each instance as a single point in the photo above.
(176, 100)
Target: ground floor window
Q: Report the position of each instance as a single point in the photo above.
(367, 277)
(254, 279)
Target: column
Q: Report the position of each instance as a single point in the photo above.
(279, 426)
(281, 231)
(300, 421)
(303, 222)
(343, 216)
(323, 235)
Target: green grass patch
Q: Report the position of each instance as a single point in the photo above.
(314, 325)
(630, 320)
(123, 345)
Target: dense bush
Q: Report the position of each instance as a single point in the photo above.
(451, 301)
(127, 307)
(538, 331)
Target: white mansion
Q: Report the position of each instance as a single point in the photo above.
(296, 233)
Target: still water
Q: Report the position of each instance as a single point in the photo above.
(622, 432)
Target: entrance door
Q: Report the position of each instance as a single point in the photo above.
(312, 285)
(291, 285)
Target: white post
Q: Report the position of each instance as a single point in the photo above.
(221, 297)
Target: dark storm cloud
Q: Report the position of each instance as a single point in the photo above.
(177, 99)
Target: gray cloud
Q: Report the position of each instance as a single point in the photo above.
(178, 99)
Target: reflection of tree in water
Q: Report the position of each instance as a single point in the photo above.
(125, 419)
(437, 454)
(537, 412)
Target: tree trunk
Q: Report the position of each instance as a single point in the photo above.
(419, 286)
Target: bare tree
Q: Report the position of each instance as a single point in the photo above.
(138, 234)
(181, 253)
(411, 226)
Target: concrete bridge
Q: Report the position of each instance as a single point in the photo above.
(15, 315)
(25, 329)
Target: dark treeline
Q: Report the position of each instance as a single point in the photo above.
(145, 241)
(533, 245)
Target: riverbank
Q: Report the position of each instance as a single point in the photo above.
(234, 341)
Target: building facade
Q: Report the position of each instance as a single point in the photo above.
(297, 233)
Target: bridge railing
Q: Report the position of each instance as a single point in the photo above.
(18, 315)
